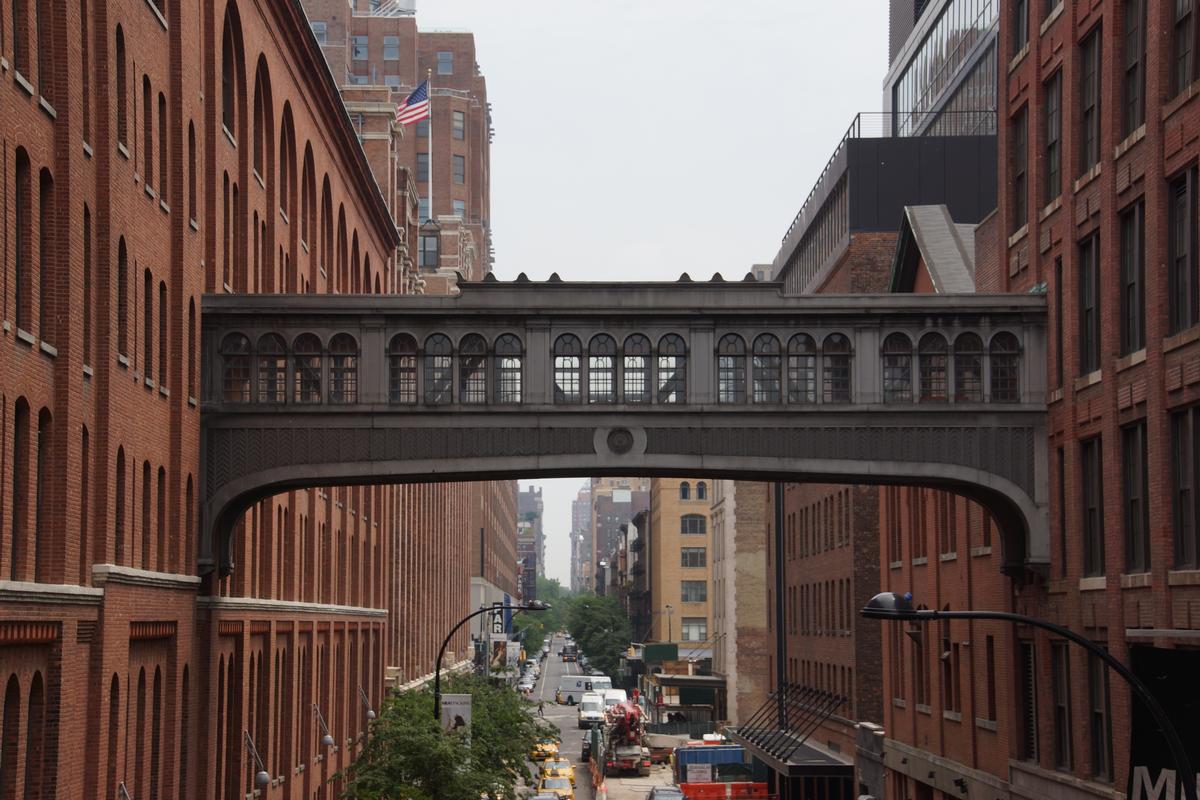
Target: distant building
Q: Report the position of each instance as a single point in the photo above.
(679, 572)
(581, 538)
(530, 510)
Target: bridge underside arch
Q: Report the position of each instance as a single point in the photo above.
(1000, 467)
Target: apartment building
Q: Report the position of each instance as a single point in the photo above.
(679, 571)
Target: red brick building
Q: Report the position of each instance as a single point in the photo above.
(1098, 108)
(152, 152)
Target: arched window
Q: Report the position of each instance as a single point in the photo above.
(968, 369)
(306, 363)
(145, 560)
(155, 734)
(259, 117)
(932, 357)
(235, 369)
(802, 369)
(44, 454)
(148, 324)
(567, 355)
(439, 370)
(191, 334)
(35, 738)
(685, 491)
(46, 234)
(402, 369)
(20, 36)
(835, 368)
(88, 286)
(114, 730)
(672, 369)
(1005, 355)
(636, 369)
(508, 369)
(602, 369)
(122, 298)
(122, 90)
(160, 550)
(163, 175)
(228, 76)
(147, 132)
(22, 229)
(163, 324)
(897, 369)
(767, 373)
(227, 233)
(701, 490)
(19, 503)
(343, 369)
(731, 369)
(119, 511)
(472, 366)
(192, 171)
(693, 524)
(272, 369)
(10, 737)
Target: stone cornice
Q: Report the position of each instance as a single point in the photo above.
(51, 593)
(103, 574)
(264, 606)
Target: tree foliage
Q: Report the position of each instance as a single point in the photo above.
(408, 756)
(602, 629)
(534, 627)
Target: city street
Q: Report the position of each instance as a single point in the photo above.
(566, 719)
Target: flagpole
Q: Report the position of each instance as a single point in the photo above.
(429, 149)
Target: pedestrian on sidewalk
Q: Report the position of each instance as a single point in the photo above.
(542, 709)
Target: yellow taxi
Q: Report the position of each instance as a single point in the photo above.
(546, 748)
(559, 787)
(558, 768)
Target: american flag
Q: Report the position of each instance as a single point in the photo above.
(416, 107)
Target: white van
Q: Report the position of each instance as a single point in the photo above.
(614, 697)
(571, 688)
(591, 709)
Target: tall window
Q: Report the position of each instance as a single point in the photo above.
(428, 255)
(568, 355)
(767, 369)
(147, 131)
(439, 372)
(458, 125)
(672, 369)
(1183, 45)
(802, 369)
(162, 333)
(731, 369)
(163, 182)
(508, 369)
(701, 491)
(934, 368)
(1005, 357)
(459, 164)
(1181, 223)
(88, 300)
(422, 167)
(920, 666)
(635, 369)
(1089, 101)
(148, 324)
(835, 369)
(1099, 719)
(1185, 428)
(85, 60)
(1089, 304)
(306, 360)
(46, 240)
(1020, 31)
(271, 358)
(1133, 80)
(472, 361)
(22, 241)
(122, 298)
(968, 369)
(402, 369)
(122, 90)
(602, 369)
(1020, 167)
(1052, 111)
(685, 491)
(1134, 491)
(1133, 326)
(19, 504)
(20, 34)
(445, 62)
(1060, 691)
(235, 368)
(1028, 701)
(897, 369)
(1093, 512)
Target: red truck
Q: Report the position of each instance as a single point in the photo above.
(626, 749)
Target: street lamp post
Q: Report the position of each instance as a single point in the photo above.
(532, 605)
(899, 608)
(670, 610)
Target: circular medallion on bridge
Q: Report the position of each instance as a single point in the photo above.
(620, 440)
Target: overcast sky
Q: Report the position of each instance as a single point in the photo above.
(638, 139)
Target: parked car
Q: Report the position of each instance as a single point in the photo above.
(546, 748)
(525, 686)
(559, 787)
(558, 768)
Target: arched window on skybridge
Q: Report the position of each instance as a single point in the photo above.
(1005, 356)
(402, 369)
(635, 369)
(933, 359)
(272, 369)
(472, 369)
(602, 369)
(802, 369)
(968, 368)
(306, 361)
(343, 369)
(672, 369)
(568, 354)
(439, 370)
(235, 368)
(897, 369)
(768, 378)
(731, 369)
(508, 369)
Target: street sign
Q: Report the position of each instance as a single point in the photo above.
(497, 617)
(699, 773)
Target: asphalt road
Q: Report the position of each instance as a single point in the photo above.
(567, 720)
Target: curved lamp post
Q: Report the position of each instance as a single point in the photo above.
(532, 605)
(899, 608)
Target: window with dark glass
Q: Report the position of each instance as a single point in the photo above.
(933, 368)
(445, 62)
(1061, 471)
(22, 228)
(439, 369)
(1185, 430)
(968, 368)
(460, 169)
(1028, 701)
(306, 361)
(835, 369)
(568, 356)
(358, 47)
(391, 48)
(685, 491)
(1181, 235)
(1183, 44)
(635, 369)
(731, 369)
(802, 369)
(1059, 306)
(1134, 492)
(1093, 509)
(1004, 355)
(693, 524)
(1089, 101)
(402, 369)
(1060, 692)
(1133, 326)
(897, 369)
(1099, 718)
(343, 369)
(422, 167)
(458, 125)
(320, 30)
(509, 354)
(1133, 79)
(602, 369)
(693, 591)
(1052, 113)
(1089, 304)
(1020, 29)
(423, 128)
(235, 368)
(767, 369)
(472, 366)
(1020, 168)
(693, 557)
(672, 369)
(272, 369)
(428, 255)
(227, 77)
(701, 491)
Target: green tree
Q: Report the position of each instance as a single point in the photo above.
(408, 756)
(602, 629)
